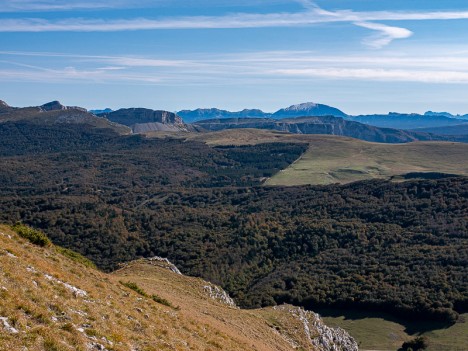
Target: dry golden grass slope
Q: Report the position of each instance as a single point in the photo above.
(51, 302)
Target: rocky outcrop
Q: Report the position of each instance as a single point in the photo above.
(218, 294)
(4, 107)
(164, 263)
(320, 336)
(53, 106)
(57, 106)
(7, 326)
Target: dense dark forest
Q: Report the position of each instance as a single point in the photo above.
(395, 247)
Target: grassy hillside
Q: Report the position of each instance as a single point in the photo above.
(333, 159)
(459, 129)
(49, 301)
(344, 160)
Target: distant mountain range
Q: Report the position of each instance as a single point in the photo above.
(445, 114)
(306, 118)
(408, 121)
(305, 109)
(392, 120)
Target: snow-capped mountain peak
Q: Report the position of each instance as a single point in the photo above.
(301, 107)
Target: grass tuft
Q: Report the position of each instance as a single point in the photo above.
(134, 287)
(75, 256)
(33, 235)
(163, 301)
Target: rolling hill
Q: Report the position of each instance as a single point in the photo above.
(56, 114)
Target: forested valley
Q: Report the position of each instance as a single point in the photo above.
(395, 247)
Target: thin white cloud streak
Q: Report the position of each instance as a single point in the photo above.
(257, 67)
(387, 75)
(385, 36)
(195, 22)
(145, 62)
(115, 60)
(450, 58)
(241, 20)
(70, 5)
(312, 15)
(9, 6)
(73, 75)
(400, 15)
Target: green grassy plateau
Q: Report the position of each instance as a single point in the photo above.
(376, 333)
(344, 160)
(334, 159)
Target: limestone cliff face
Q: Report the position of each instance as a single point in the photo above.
(144, 120)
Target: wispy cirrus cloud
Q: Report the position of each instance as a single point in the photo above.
(255, 67)
(385, 34)
(311, 15)
(70, 5)
(385, 75)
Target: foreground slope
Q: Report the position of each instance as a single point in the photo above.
(52, 302)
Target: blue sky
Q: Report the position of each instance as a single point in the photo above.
(362, 56)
